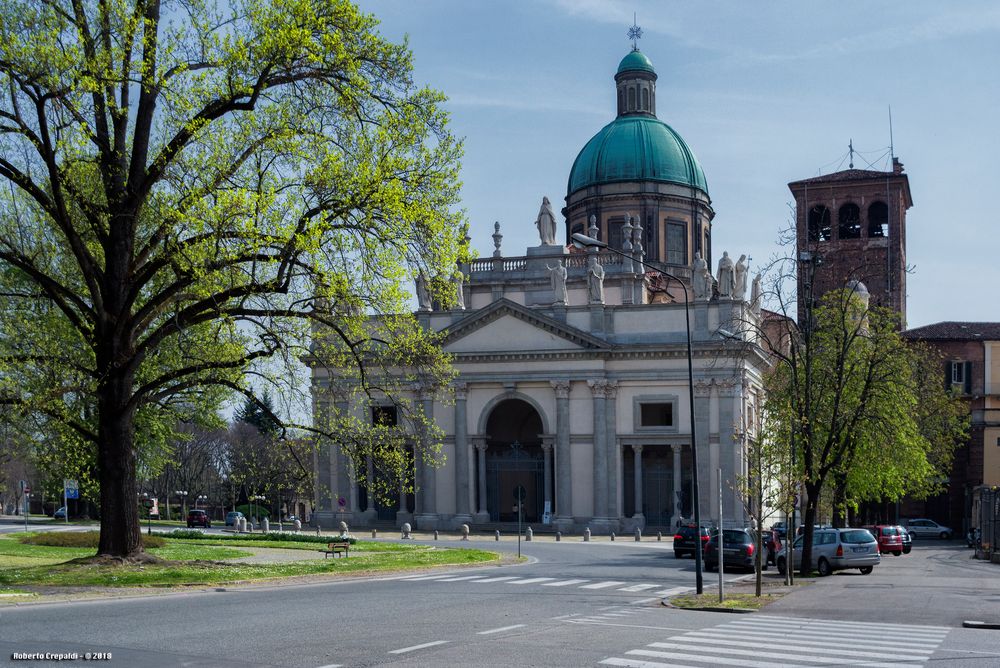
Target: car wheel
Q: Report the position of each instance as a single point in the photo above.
(781, 565)
(906, 550)
(678, 555)
(865, 570)
(945, 535)
(824, 568)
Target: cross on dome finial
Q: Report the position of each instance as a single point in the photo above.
(634, 34)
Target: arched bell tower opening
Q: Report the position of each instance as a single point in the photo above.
(515, 462)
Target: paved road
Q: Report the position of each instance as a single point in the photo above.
(575, 604)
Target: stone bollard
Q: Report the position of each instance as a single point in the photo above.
(612, 536)
(558, 536)
(528, 534)
(298, 526)
(586, 535)
(317, 529)
(496, 536)
(659, 536)
(374, 533)
(265, 525)
(406, 530)
(250, 526)
(638, 534)
(465, 532)
(435, 534)
(343, 528)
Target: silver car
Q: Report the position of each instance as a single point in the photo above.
(928, 529)
(837, 550)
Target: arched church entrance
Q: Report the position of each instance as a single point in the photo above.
(515, 462)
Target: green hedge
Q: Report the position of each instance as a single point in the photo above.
(79, 539)
(260, 511)
(272, 535)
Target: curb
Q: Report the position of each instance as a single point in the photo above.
(981, 625)
(737, 611)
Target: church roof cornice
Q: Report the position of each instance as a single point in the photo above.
(505, 307)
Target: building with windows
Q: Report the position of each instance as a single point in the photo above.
(971, 354)
(573, 397)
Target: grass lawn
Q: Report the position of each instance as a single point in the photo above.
(196, 562)
(731, 601)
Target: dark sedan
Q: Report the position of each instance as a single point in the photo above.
(687, 537)
(737, 550)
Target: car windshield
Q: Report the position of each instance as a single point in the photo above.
(889, 531)
(732, 536)
(856, 536)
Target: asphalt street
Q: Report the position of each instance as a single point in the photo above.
(572, 604)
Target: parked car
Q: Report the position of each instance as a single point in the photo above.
(837, 550)
(198, 518)
(687, 537)
(816, 527)
(770, 543)
(907, 539)
(232, 516)
(888, 537)
(737, 550)
(922, 528)
(60, 514)
(781, 528)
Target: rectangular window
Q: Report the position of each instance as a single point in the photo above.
(676, 243)
(656, 415)
(957, 373)
(384, 415)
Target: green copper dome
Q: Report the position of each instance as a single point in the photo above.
(635, 60)
(636, 148)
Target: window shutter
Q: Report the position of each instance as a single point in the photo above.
(968, 377)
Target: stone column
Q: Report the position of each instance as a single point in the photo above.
(547, 453)
(564, 479)
(463, 482)
(702, 408)
(403, 512)
(675, 519)
(637, 449)
(600, 432)
(483, 515)
(614, 451)
(425, 475)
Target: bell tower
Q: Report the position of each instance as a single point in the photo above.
(851, 226)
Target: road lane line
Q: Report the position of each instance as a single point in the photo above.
(501, 629)
(333, 665)
(865, 625)
(603, 585)
(501, 579)
(695, 646)
(428, 577)
(464, 577)
(639, 587)
(635, 663)
(814, 640)
(564, 583)
(795, 645)
(414, 648)
(644, 600)
(529, 581)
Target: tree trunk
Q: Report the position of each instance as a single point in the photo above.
(121, 532)
(812, 501)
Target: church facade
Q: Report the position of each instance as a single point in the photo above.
(572, 403)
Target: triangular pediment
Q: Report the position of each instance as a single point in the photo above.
(506, 326)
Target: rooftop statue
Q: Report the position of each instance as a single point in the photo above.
(726, 280)
(423, 293)
(595, 280)
(557, 275)
(546, 223)
(740, 278)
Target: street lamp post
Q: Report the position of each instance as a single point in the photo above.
(200, 497)
(584, 240)
(182, 495)
(516, 447)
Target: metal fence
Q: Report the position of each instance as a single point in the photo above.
(986, 518)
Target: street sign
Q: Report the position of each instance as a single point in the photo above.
(25, 487)
(72, 489)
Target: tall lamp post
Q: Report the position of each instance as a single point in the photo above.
(519, 492)
(182, 495)
(584, 240)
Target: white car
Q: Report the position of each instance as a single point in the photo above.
(928, 529)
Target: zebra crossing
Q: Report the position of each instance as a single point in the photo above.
(763, 641)
(658, 589)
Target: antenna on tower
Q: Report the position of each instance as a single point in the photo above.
(850, 148)
(892, 152)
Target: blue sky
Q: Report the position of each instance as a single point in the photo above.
(764, 94)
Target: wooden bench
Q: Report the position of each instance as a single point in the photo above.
(337, 547)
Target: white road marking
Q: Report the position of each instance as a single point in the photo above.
(500, 630)
(863, 625)
(428, 577)
(644, 600)
(811, 647)
(635, 663)
(529, 581)
(464, 577)
(694, 646)
(564, 583)
(834, 631)
(819, 640)
(639, 587)
(332, 665)
(575, 614)
(501, 579)
(602, 585)
(414, 648)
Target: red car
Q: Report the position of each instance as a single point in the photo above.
(198, 518)
(888, 537)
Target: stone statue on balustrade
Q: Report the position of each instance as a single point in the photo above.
(546, 223)
(740, 278)
(701, 279)
(725, 276)
(595, 280)
(756, 295)
(459, 280)
(557, 276)
(423, 293)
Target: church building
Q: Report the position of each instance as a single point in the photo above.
(573, 396)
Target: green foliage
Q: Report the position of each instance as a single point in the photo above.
(79, 539)
(185, 202)
(259, 414)
(254, 512)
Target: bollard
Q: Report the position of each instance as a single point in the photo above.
(638, 535)
(612, 536)
(465, 532)
(298, 526)
(496, 536)
(558, 536)
(317, 529)
(374, 533)
(406, 530)
(659, 536)
(435, 534)
(343, 528)
(250, 526)
(586, 535)
(265, 525)
(528, 534)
